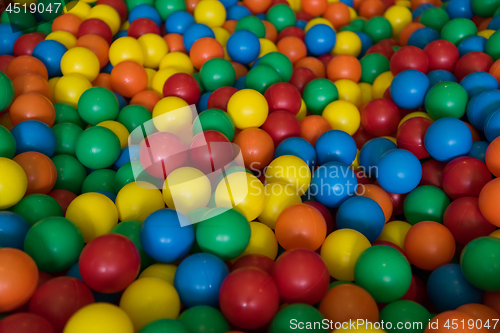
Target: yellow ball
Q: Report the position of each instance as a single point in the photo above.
(80, 60)
(366, 92)
(151, 74)
(248, 108)
(342, 115)
(154, 49)
(317, 20)
(160, 77)
(165, 272)
(150, 299)
(52, 85)
(302, 111)
(99, 318)
(395, 232)
(108, 15)
(403, 3)
(340, 251)
(210, 12)
(399, 17)
(186, 189)
(178, 60)
(125, 25)
(393, 139)
(226, 55)
(486, 33)
(278, 196)
(13, 183)
(355, 163)
(414, 115)
(349, 91)
(262, 241)
(495, 233)
(352, 13)
(63, 37)
(69, 88)
(171, 113)
(242, 191)
(347, 43)
(94, 213)
(266, 46)
(117, 128)
(295, 5)
(363, 327)
(221, 35)
(126, 48)
(290, 170)
(137, 200)
(78, 8)
(381, 83)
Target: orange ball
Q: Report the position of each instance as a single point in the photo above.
(482, 312)
(271, 32)
(97, 45)
(429, 245)
(239, 69)
(300, 226)
(492, 299)
(67, 22)
(257, 6)
(203, 50)
(40, 170)
(314, 64)
(348, 302)
(146, 98)
(371, 8)
(443, 322)
(344, 66)
(230, 26)
(493, 157)
(312, 127)
(338, 14)
(26, 65)
(407, 31)
(31, 83)
(32, 106)
(191, 5)
(293, 47)
(128, 78)
(489, 201)
(175, 43)
(257, 147)
(18, 280)
(380, 196)
(495, 70)
(103, 80)
(475, 133)
(484, 24)
(314, 7)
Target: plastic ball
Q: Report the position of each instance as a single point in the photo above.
(478, 150)
(347, 43)
(281, 125)
(405, 313)
(40, 171)
(100, 318)
(333, 183)
(471, 63)
(342, 115)
(243, 46)
(291, 170)
(195, 32)
(478, 311)
(50, 53)
(447, 138)
(137, 200)
(14, 229)
(440, 75)
(458, 29)
(280, 63)
(247, 108)
(23, 322)
(260, 78)
(220, 97)
(409, 57)
(408, 89)
(217, 73)
(80, 60)
(262, 243)
(368, 220)
(476, 261)
(491, 125)
(477, 82)
(320, 39)
(183, 86)
(446, 99)
(13, 181)
(425, 203)
(297, 147)
(200, 317)
(204, 49)
(97, 105)
(344, 66)
(283, 96)
(473, 176)
(128, 78)
(97, 147)
(380, 117)
(399, 171)
(371, 152)
(36, 207)
(179, 22)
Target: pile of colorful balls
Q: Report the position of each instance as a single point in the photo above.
(215, 166)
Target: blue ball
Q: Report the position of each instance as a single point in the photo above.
(240, 83)
(492, 125)
(178, 22)
(198, 279)
(7, 39)
(107, 69)
(144, 11)
(195, 32)
(228, 3)
(350, 3)
(480, 106)
(128, 154)
(300, 24)
(366, 43)
(472, 44)
(399, 171)
(440, 75)
(448, 289)
(243, 46)
(262, 16)
(421, 37)
(459, 9)
(202, 104)
(494, 23)
(333, 183)
(408, 89)
(13, 230)
(476, 83)
(122, 102)
(320, 39)
(167, 235)
(297, 147)
(120, 34)
(111, 196)
(371, 152)
(50, 53)
(421, 9)
(478, 150)
(361, 214)
(33, 135)
(237, 12)
(335, 146)
(447, 138)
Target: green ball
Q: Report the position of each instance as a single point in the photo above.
(98, 147)
(458, 29)
(99, 180)
(351, 27)
(287, 319)
(131, 4)
(165, 326)
(384, 272)
(378, 28)
(359, 23)
(411, 316)
(7, 143)
(24, 20)
(261, 77)
(56, 7)
(434, 18)
(98, 104)
(318, 94)
(204, 319)
(280, 63)
(493, 45)
(124, 176)
(253, 24)
(497, 12)
(167, 7)
(484, 8)
(425, 203)
(372, 65)
(217, 73)
(132, 230)
(70, 173)
(223, 232)
(66, 135)
(65, 113)
(198, 79)
(446, 99)
(480, 262)
(54, 243)
(216, 120)
(45, 27)
(281, 16)
(6, 91)
(36, 207)
(133, 116)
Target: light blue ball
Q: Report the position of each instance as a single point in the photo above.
(13, 230)
(333, 183)
(399, 171)
(361, 214)
(447, 138)
(298, 147)
(335, 146)
(371, 152)
(480, 106)
(320, 39)
(243, 46)
(408, 89)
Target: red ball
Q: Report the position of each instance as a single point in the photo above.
(388, 42)
(162, 153)
(183, 86)
(326, 58)
(465, 221)
(254, 260)
(397, 203)
(63, 197)
(119, 5)
(465, 177)
(410, 136)
(281, 125)
(210, 151)
(25, 44)
(303, 16)
(109, 263)
(249, 298)
(220, 97)
(25, 323)
(432, 172)
(301, 276)
(292, 31)
(472, 62)
(362, 177)
(384, 50)
(283, 96)
(417, 292)
(330, 224)
(301, 77)
(442, 54)
(142, 26)
(96, 27)
(58, 299)
(409, 57)
(380, 117)
(361, 137)
(5, 61)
